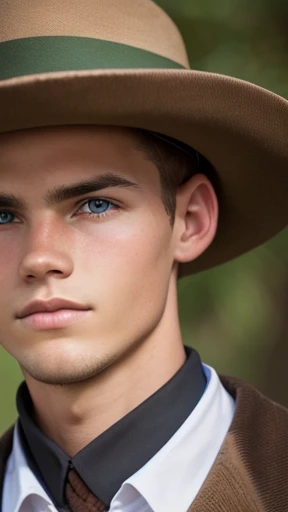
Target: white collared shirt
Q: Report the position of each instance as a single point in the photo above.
(169, 481)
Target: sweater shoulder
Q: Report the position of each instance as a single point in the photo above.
(259, 430)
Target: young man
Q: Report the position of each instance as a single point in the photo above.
(122, 170)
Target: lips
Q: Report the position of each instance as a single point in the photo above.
(40, 306)
(59, 319)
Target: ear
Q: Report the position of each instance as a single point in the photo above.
(196, 218)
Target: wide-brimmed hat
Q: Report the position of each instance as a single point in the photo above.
(124, 63)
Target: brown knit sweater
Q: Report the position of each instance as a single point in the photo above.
(250, 473)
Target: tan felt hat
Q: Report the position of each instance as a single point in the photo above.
(123, 63)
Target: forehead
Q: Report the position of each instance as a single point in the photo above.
(47, 157)
(66, 137)
(69, 146)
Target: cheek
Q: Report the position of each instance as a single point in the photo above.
(127, 277)
(8, 263)
(129, 270)
(124, 252)
(8, 248)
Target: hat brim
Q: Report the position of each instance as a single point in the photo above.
(240, 128)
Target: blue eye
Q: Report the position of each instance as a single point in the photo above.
(98, 206)
(101, 205)
(3, 213)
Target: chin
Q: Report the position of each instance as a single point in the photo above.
(60, 371)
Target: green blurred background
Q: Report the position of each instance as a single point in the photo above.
(235, 315)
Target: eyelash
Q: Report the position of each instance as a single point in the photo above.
(97, 215)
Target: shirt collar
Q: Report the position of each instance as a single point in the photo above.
(111, 458)
(22, 480)
(192, 450)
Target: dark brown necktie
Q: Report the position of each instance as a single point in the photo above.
(78, 496)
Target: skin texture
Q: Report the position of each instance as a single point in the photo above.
(123, 266)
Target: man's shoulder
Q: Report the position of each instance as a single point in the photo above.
(250, 471)
(259, 425)
(251, 404)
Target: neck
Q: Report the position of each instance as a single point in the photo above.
(73, 415)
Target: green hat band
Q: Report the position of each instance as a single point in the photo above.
(33, 55)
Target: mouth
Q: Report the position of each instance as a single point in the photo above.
(54, 319)
(51, 305)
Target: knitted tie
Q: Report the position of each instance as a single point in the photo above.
(78, 496)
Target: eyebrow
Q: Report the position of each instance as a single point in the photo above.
(57, 195)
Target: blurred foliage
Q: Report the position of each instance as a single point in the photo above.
(235, 315)
(236, 37)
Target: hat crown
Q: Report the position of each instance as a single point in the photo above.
(137, 23)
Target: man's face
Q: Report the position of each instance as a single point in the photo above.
(117, 262)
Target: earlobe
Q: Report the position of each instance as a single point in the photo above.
(197, 218)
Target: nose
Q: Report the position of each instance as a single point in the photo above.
(46, 255)
(38, 266)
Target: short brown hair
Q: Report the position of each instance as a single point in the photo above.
(174, 165)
